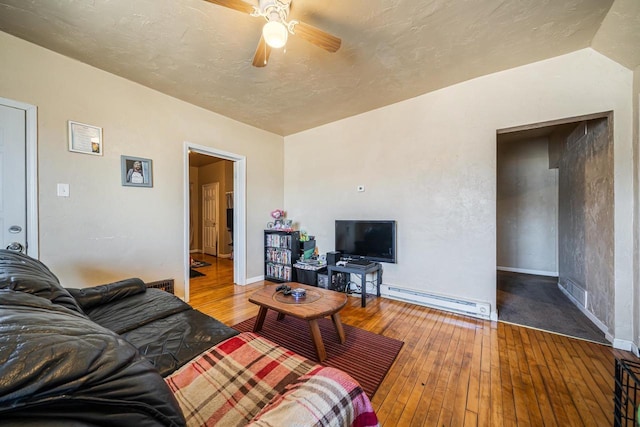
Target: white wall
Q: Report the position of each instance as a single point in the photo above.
(105, 231)
(430, 164)
(527, 208)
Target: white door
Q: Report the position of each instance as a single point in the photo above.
(210, 218)
(13, 203)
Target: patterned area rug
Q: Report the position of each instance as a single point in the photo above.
(197, 264)
(366, 356)
(195, 273)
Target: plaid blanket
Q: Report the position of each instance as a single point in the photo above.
(248, 380)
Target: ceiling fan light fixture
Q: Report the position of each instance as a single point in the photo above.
(275, 34)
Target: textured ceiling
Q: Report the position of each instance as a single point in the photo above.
(391, 49)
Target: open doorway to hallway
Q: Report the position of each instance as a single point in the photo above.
(239, 211)
(555, 216)
(211, 203)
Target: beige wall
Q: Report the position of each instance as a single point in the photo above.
(105, 231)
(225, 236)
(430, 164)
(194, 209)
(636, 146)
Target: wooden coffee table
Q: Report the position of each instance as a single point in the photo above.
(316, 304)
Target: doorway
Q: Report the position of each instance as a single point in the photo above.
(212, 230)
(24, 117)
(555, 213)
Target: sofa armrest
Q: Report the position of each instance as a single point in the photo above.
(22, 273)
(103, 294)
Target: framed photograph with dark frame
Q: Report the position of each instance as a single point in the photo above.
(136, 171)
(85, 138)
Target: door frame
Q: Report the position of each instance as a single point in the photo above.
(571, 120)
(239, 211)
(31, 136)
(216, 186)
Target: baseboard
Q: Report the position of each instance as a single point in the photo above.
(625, 345)
(527, 271)
(224, 255)
(609, 337)
(251, 280)
(195, 251)
(590, 315)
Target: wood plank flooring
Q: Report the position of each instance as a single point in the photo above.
(455, 370)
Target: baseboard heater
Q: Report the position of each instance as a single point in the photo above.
(455, 305)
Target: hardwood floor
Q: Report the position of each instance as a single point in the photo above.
(455, 370)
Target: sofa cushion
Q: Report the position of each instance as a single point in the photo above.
(104, 294)
(125, 314)
(173, 341)
(25, 274)
(56, 364)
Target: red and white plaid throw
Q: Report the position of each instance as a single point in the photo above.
(248, 380)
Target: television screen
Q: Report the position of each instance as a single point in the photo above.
(372, 240)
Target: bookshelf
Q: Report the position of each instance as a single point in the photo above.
(281, 251)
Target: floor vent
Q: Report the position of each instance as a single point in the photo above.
(165, 285)
(467, 307)
(576, 291)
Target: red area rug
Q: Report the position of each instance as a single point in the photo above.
(366, 356)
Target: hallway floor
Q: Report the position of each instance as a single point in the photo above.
(537, 302)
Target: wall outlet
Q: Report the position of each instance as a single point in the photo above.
(360, 188)
(63, 190)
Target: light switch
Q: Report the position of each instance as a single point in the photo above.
(63, 190)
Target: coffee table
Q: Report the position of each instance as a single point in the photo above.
(316, 304)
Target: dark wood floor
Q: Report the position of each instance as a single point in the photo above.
(455, 370)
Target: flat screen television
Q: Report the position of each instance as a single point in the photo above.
(371, 240)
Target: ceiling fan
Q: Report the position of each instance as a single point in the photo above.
(276, 31)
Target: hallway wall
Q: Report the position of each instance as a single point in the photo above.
(586, 218)
(527, 207)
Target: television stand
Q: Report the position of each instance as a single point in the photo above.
(362, 271)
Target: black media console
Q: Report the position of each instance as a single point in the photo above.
(362, 271)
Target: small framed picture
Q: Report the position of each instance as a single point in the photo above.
(136, 171)
(85, 138)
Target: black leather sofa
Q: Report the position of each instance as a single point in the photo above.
(92, 356)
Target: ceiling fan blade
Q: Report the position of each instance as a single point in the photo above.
(238, 5)
(318, 37)
(261, 56)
